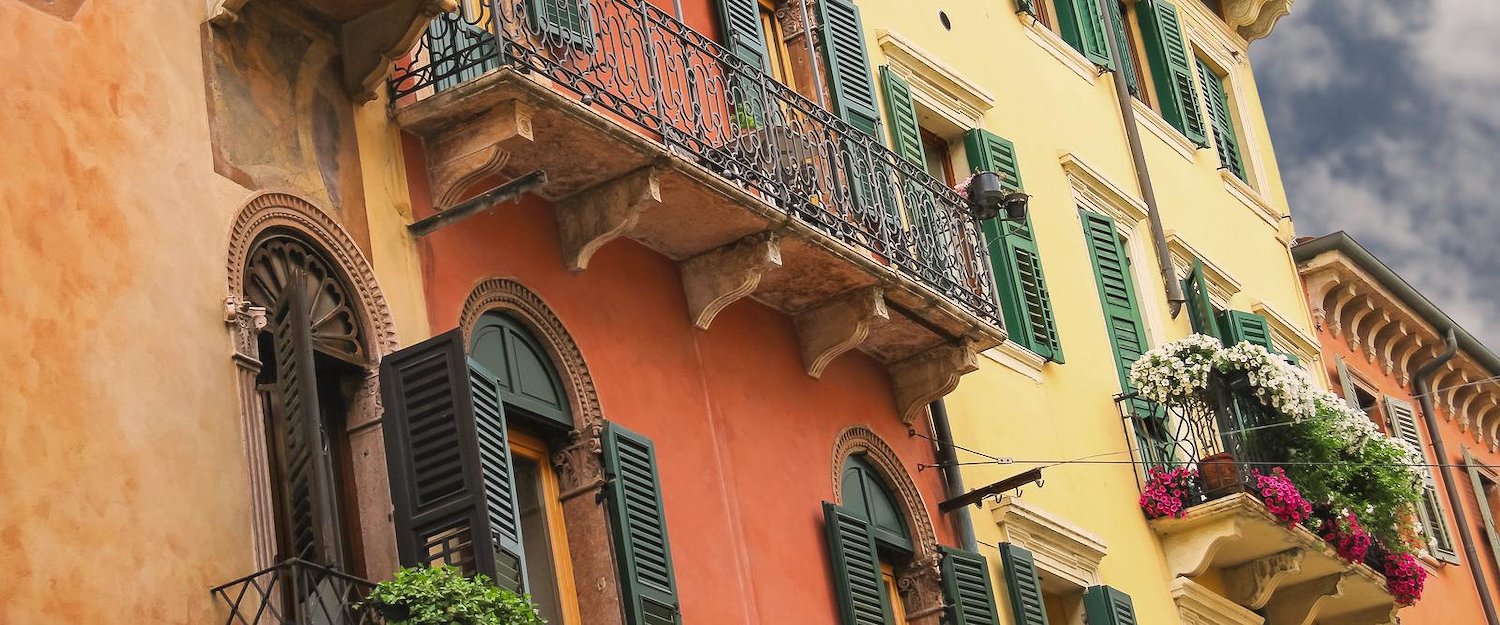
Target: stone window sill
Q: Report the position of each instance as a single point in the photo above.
(1058, 47)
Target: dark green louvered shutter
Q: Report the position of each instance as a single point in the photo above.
(934, 243)
(309, 512)
(452, 481)
(1082, 26)
(1023, 585)
(1122, 45)
(566, 21)
(856, 568)
(1237, 326)
(1226, 141)
(901, 115)
(1122, 321)
(639, 522)
(1166, 52)
(967, 589)
(1346, 383)
(1402, 420)
(1199, 305)
(740, 23)
(1482, 499)
(848, 65)
(1024, 300)
(1103, 605)
(1026, 6)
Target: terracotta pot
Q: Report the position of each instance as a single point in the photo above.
(1220, 474)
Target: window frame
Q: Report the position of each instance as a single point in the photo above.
(1200, 61)
(531, 447)
(778, 56)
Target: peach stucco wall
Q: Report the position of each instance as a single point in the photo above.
(744, 437)
(1449, 596)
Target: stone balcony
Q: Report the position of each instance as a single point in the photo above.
(645, 129)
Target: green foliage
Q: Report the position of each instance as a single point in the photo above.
(744, 117)
(443, 596)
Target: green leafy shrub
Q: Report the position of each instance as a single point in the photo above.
(443, 596)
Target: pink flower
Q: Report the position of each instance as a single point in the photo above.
(1282, 497)
(1167, 491)
(1404, 577)
(1350, 540)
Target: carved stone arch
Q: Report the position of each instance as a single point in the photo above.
(920, 582)
(309, 239)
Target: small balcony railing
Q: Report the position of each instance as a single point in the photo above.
(650, 72)
(297, 592)
(1219, 438)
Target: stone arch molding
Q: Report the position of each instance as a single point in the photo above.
(920, 582)
(579, 466)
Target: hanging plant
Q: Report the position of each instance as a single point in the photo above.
(1343, 531)
(1404, 577)
(1167, 492)
(1281, 497)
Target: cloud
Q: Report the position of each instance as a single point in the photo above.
(1393, 134)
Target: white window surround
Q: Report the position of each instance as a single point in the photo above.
(1068, 554)
(1197, 605)
(1157, 125)
(1095, 192)
(1090, 183)
(936, 87)
(1222, 286)
(1018, 359)
(1251, 198)
(1296, 340)
(1055, 45)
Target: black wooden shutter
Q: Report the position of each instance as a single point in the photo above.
(1239, 326)
(639, 523)
(310, 512)
(967, 589)
(1199, 305)
(1103, 605)
(856, 568)
(1014, 256)
(451, 477)
(1166, 52)
(1082, 26)
(1023, 585)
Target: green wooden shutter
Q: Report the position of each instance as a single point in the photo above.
(309, 511)
(967, 589)
(1023, 585)
(1239, 326)
(1103, 605)
(1476, 479)
(1122, 321)
(1166, 52)
(565, 20)
(934, 242)
(452, 482)
(1226, 141)
(1026, 6)
(1082, 26)
(1024, 300)
(1346, 382)
(1200, 306)
(1403, 423)
(856, 568)
(848, 65)
(1122, 44)
(639, 522)
(901, 114)
(740, 21)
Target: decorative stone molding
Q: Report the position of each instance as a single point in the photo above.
(1093, 186)
(1222, 286)
(473, 149)
(1197, 605)
(921, 379)
(1065, 551)
(936, 87)
(1300, 604)
(719, 277)
(1251, 584)
(838, 326)
(920, 581)
(1284, 330)
(1254, 19)
(592, 217)
(1058, 47)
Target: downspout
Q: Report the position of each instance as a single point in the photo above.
(953, 481)
(1175, 298)
(1421, 384)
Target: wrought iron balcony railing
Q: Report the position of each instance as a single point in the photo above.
(1219, 438)
(297, 592)
(697, 99)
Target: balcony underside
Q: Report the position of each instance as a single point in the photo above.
(1289, 574)
(607, 180)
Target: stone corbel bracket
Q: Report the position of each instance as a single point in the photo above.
(1252, 583)
(719, 277)
(595, 216)
(462, 154)
(1300, 604)
(927, 376)
(1254, 19)
(839, 325)
(371, 42)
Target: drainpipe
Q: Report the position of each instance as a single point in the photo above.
(953, 481)
(1175, 298)
(1421, 383)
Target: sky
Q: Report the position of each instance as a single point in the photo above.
(1385, 115)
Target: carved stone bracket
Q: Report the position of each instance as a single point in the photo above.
(1300, 604)
(595, 216)
(1197, 605)
(719, 277)
(1373, 616)
(371, 42)
(1251, 584)
(246, 320)
(925, 377)
(1190, 554)
(838, 326)
(1254, 19)
(460, 155)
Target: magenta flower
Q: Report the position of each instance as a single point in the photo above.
(1404, 577)
(1167, 491)
(1282, 497)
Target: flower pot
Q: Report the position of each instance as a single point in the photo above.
(1221, 475)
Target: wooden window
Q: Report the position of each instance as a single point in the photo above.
(1108, 606)
(1403, 421)
(1171, 74)
(543, 532)
(1133, 45)
(777, 57)
(935, 158)
(1487, 497)
(1221, 119)
(892, 593)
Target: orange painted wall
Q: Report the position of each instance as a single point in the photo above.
(1449, 597)
(744, 437)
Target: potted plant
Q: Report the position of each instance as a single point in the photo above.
(443, 596)
(1221, 475)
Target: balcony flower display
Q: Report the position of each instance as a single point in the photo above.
(1177, 371)
(1278, 384)
(1167, 491)
(1347, 537)
(1282, 497)
(1404, 577)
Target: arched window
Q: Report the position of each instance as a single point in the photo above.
(867, 499)
(528, 381)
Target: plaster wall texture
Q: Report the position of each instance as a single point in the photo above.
(123, 490)
(1049, 110)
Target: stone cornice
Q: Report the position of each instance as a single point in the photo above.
(1067, 551)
